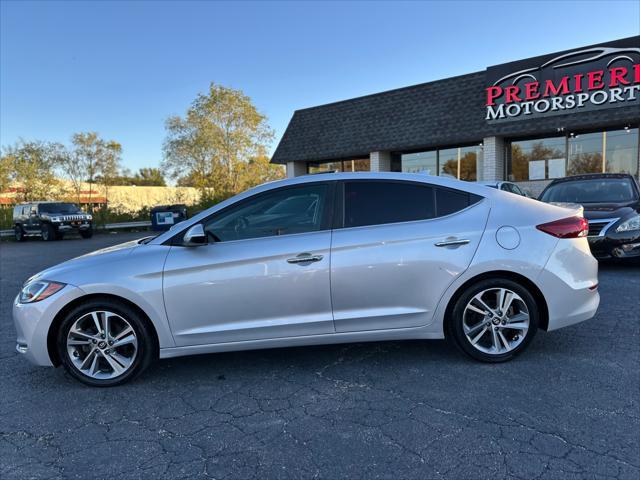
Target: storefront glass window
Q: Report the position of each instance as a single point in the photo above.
(471, 163)
(538, 159)
(622, 151)
(585, 154)
(448, 162)
(613, 151)
(359, 165)
(324, 167)
(423, 162)
(463, 163)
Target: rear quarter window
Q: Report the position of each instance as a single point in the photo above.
(450, 201)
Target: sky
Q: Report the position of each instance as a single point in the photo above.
(121, 68)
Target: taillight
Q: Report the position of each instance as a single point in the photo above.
(572, 227)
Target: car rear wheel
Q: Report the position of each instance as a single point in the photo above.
(48, 233)
(494, 320)
(104, 343)
(19, 233)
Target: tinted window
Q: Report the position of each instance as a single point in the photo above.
(516, 189)
(375, 203)
(597, 190)
(59, 208)
(281, 212)
(451, 201)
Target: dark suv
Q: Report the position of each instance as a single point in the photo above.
(611, 203)
(51, 220)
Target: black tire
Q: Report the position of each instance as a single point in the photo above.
(455, 328)
(19, 234)
(59, 235)
(49, 233)
(146, 346)
(86, 233)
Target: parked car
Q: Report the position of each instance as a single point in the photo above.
(318, 259)
(611, 204)
(507, 187)
(51, 220)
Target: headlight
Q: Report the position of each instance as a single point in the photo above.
(56, 219)
(89, 217)
(632, 224)
(39, 290)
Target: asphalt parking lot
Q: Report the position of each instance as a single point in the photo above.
(569, 408)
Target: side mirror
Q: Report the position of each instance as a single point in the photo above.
(195, 236)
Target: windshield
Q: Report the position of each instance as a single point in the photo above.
(601, 190)
(58, 208)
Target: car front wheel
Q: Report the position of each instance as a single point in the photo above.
(88, 233)
(494, 320)
(19, 233)
(48, 233)
(104, 343)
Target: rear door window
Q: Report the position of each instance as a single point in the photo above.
(449, 200)
(382, 202)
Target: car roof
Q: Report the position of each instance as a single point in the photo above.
(590, 176)
(450, 182)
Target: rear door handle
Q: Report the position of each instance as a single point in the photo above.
(452, 243)
(305, 258)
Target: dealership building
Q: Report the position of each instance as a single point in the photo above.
(527, 121)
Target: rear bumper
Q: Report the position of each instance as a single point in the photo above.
(569, 284)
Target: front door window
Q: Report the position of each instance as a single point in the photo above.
(282, 212)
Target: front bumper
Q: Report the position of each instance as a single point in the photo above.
(32, 322)
(616, 245)
(68, 227)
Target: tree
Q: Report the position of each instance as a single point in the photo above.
(145, 177)
(108, 165)
(586, 163)
(32, 165)
(73, 170)
(6, 172)
(211, 146)
(259, 170)
(149, 177)
(93, 160)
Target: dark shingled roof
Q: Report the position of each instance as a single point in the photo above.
(448, 112)
(419, 116)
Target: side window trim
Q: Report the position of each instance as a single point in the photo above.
(338, 205)
(326, 224)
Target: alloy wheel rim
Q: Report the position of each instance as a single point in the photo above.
(496, 321)
(102, 345)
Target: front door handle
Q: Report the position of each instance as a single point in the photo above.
(305, 258)
(452, 243)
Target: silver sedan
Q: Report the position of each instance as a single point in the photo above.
(318, 259)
